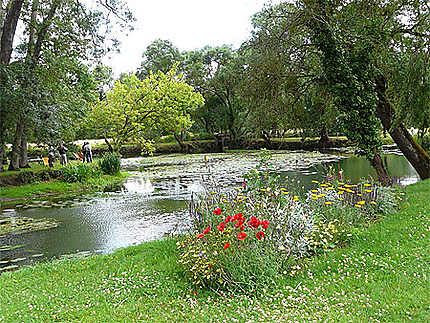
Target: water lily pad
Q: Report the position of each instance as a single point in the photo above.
(18, 259)
(8, 248)
(9, 268)
(37, 255)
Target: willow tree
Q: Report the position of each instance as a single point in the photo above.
(357, 40)
(284, 85)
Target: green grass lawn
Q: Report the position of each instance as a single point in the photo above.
(383, 276)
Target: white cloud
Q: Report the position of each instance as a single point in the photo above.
(188, 24)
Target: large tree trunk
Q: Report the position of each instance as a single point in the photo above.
(180, 142)
(324, 138)
(381, 170)
(413, 152)
(9, 21)
(9, 28)
(16, 146)
(23, 158)
(2, 142)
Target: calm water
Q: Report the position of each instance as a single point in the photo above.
(152, 205)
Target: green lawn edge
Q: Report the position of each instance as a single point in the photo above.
(56, 189)
(383, 276)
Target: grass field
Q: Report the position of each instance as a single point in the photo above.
(383, 276)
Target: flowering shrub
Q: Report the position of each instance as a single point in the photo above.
(245, 237)
(234, 253)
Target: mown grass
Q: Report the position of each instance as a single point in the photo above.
(383, 275)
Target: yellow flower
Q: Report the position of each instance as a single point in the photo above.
(295, 198)
(341, 199)
(316, 182)
(359, 194)
(367, 184)
(285, 193)
(373, 202)
(340, 192)
(238, 187)
(327, 203)
(341, 183)
(361, 202)
(368, 191)
(314, 191)
(357, 205)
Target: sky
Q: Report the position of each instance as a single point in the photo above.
(188, 24)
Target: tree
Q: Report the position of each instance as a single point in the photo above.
(160, 55)
(134, 107)
(283, 83)
(59, 32)
(356, 40)
(216, 72)
(9, 16)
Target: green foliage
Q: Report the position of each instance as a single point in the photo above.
(134, 108)
(110, 163)
(160, 55)
(78, 172)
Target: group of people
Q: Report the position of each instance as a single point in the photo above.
(87, 154)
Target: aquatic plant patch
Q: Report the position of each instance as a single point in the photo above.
(18, 225)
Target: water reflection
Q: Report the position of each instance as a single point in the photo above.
(138, 184)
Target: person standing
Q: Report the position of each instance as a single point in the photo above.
(86, 151)
(89, 153)
(51, 156)
(63, 157)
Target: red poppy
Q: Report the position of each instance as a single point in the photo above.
(228, 219)
(217, 211)
(237, 216)
(254, 222)
(242, 228)
(207, 230)
(221, 226)
(238, 223)
(265, 224)
(242, 235)
(226, 245)
(200, 236)
(260, 235)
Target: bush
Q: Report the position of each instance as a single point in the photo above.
(78, 172)
(244, 238)
(110, 163)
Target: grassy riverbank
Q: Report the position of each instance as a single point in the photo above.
(54, 188)
(383, 275)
